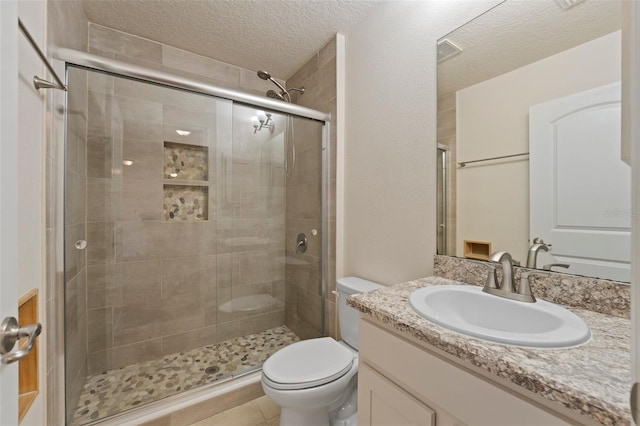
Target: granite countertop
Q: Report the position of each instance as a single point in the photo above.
(593, 379)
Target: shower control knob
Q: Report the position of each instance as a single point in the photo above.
(301, 243)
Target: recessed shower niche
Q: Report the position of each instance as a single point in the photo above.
(185, 162)
(186, 197)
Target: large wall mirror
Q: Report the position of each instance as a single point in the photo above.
(529, 148)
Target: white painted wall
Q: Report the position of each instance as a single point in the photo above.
(30, 227)
(390, 138)
(493, 120)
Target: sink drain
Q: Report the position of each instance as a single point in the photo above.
(212, 370)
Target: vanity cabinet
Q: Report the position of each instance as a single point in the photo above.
(402, 382)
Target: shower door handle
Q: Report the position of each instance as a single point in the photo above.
(10, 333)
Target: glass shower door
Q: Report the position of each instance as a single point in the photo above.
(182, 266)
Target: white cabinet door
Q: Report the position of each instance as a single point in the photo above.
(580, 187)
(381, 403)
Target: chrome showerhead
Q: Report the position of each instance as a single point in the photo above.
(275, 95)
(264, 75)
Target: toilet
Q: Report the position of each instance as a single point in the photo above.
(315, 381)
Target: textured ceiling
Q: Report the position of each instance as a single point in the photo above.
(518, 32)
(277, 35)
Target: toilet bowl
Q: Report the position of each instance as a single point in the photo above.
(315, 381)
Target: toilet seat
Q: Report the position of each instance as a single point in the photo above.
(307, 364)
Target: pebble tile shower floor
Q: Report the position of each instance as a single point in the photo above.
(119, 390)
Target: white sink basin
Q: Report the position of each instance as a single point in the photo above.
(467, 310)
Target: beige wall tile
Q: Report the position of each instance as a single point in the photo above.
(100, 242)
(190, 275)
(108, 42)
(300, 328)
(137, 241)
(75, 201)
(188, 340)
(310, 309)
(100, 153)
(118, 284)
(140, 321)
(100, 322)
(124, 355)
(99, 114)
(76, 259)
(250, 81)
(147, 160)
(196, 64)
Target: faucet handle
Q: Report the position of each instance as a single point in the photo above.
(538, 240)
(491, 281)
(559, 265)
(525, 286)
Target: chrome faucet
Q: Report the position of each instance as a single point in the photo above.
(537, 246)
(506, 288)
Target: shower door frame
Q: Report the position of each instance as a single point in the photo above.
(69, 57)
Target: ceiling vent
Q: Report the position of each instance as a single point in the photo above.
(447, 49)
(567, 4)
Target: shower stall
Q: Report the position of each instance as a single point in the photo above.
(184, 205)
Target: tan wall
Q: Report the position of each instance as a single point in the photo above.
(503, 129)
(390, 146)
(304, 292)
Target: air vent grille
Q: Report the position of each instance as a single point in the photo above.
(447, 49)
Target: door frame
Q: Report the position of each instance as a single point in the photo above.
(631, 138)
(8, 196)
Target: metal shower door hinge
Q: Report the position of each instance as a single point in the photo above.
(10, 333)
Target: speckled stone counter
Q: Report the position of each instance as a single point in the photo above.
(593, 379)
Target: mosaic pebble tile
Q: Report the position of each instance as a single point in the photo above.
(112, 392)
(182, 203)
(187, 162)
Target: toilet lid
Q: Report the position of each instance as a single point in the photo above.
(307, 364)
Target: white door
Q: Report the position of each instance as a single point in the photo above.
(8, 197)
(580, 198)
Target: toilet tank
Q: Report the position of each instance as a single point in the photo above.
(347, 316)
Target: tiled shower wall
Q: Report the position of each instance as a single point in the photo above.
(318, 75)
(156, 285)
(125, 334)
(303, 284)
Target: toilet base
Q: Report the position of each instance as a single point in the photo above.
(317, 417)
(310, 417)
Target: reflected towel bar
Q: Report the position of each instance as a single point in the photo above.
(464, 163)
(39, 83)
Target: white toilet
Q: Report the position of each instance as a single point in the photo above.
(315, 381)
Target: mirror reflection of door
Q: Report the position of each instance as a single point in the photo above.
(579, 185)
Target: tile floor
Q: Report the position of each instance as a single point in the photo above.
(125, 388)
(259, 412)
